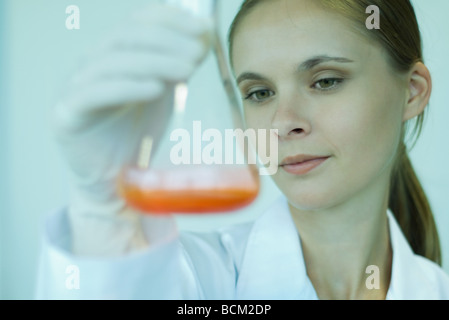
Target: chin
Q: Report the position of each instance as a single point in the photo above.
(307, 201)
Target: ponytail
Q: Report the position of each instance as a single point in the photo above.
(411, 209)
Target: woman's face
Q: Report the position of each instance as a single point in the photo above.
(328, 90)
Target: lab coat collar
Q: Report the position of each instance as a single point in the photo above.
(274, 266)
(409, 279)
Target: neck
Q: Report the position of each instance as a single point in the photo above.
(341, 242)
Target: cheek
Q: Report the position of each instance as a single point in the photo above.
(254, 118)
(367, 134)
(258, 119)
(267, 143)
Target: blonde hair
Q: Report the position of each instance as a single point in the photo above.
(399, 35)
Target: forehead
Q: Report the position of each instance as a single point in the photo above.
(276, 29)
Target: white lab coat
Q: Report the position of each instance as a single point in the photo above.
(258, 260)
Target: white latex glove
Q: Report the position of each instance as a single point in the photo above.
(123, 92)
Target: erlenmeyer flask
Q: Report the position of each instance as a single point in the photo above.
(206, 161)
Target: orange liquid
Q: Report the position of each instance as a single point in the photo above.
(206, 189)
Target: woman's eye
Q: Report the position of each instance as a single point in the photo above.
(259, 95)
(327, 84)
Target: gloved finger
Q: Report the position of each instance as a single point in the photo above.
(160, 39)
(134, 66)
(174, 18)
(72, 114)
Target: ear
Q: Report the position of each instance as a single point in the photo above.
(420, 88)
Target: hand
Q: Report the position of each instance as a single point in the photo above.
(124, 92)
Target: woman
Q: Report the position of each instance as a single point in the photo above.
(341, 97)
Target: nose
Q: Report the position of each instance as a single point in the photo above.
(291, 118)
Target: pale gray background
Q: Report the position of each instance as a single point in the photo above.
(37, 56)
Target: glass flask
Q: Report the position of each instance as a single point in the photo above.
(206, 160)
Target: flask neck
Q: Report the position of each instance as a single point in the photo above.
(202, 8)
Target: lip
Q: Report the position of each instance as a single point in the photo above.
(302, 164)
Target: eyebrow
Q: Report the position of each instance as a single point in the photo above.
(305, 66)
(313, 62)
